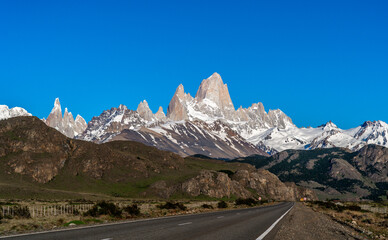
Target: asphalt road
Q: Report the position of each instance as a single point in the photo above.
(233, 224)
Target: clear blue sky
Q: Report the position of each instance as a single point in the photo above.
(315, 60)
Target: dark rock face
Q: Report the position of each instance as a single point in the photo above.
(332, 173)
(373, 160)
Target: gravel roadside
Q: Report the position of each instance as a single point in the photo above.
(303, 223)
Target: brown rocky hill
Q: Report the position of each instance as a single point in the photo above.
(36, 157)
(332, 173)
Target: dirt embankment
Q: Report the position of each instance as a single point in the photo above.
(303, 223)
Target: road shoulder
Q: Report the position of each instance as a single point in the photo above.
(303, 223)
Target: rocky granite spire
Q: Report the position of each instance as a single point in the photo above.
(66, 124)
(214, 90)
(144, 111)
(80, 124)
(54, 120)
(177, 109)
(159, 115)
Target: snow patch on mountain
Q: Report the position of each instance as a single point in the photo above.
(6, 112)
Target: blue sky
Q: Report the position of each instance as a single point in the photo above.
(315, 60)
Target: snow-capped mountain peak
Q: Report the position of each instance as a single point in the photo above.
(6, 112)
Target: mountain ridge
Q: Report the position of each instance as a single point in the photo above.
(269, 131)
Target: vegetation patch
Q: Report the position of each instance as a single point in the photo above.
(207, 206)
(132, 210)
(170, 205)
(246, 201)
(222, 204)
(104, 208)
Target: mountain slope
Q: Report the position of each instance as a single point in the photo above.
(332, 173)
(215, 139)
(35, 155)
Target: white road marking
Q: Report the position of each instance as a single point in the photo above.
(262, 236)
(185, 223)
(107, 239)
(220, 217)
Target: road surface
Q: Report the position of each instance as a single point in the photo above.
(252, 223)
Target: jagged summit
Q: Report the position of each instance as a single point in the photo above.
(144, 111)
(213, 102)
(159, 115)
(214, 90)
(328, 125)
(66, 123)
(192, 123)
(177, 109)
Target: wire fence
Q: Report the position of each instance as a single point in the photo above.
(45, 211)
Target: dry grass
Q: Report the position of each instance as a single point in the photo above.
(370, 224)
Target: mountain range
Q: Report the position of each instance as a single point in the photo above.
(209, 124)
(37, 161)
(331, 172)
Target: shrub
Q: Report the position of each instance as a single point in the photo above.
(246, 201)
(133, 210)
(22, 212)
(222, 204)
(104, 208)
(207, 206)
(170, 205)
(353, 208)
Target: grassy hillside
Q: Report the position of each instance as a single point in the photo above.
(38, 162)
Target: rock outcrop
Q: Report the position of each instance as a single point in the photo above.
(260, 182)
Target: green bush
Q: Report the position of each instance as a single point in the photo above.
(222, 204)
(207, 206)
(133, 210)
(104, 208)
(170, 205)
(246, 201)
